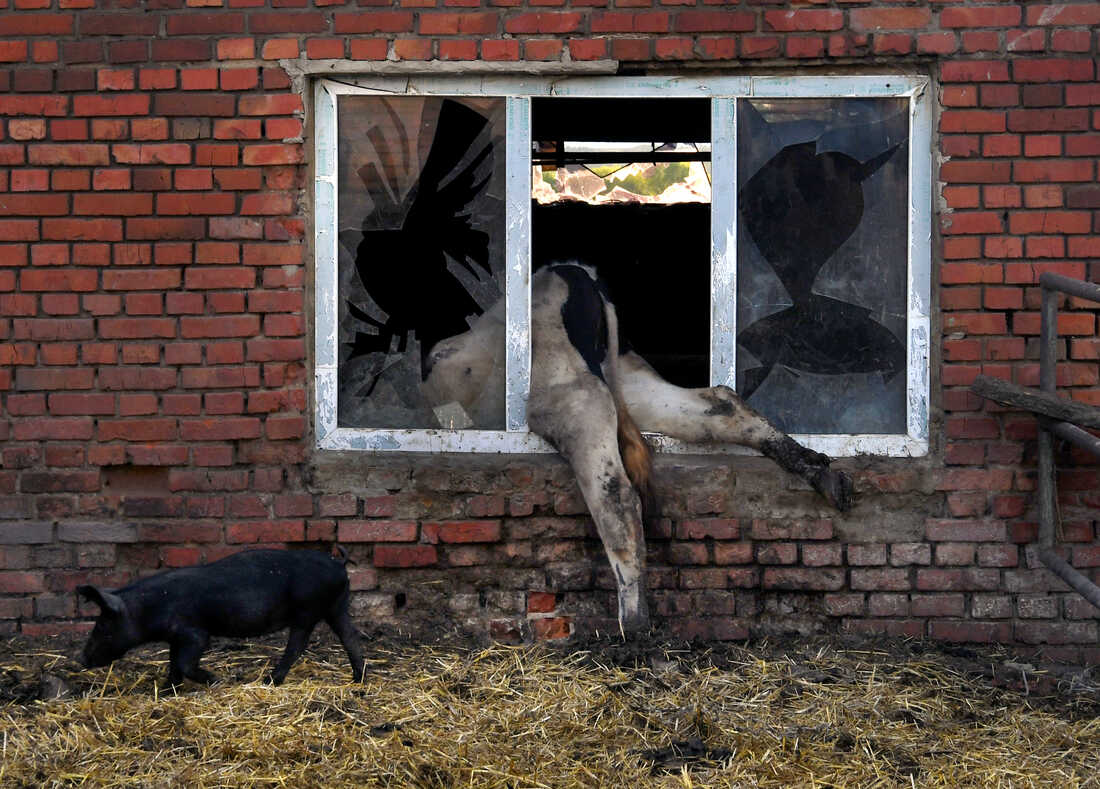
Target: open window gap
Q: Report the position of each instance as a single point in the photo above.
(623, 185)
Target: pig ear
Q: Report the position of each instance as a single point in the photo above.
(108, 603)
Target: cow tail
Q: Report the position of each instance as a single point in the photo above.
(637, 459)
(635, 451)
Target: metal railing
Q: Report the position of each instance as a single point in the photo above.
(1052, 285)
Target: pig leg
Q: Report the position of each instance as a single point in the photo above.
(579, 419)
(719, 415)
(341, 625)
(295, 646)
(183, 658)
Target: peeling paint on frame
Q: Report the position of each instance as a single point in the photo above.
(724, 92)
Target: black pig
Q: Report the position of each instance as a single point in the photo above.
(246, 594)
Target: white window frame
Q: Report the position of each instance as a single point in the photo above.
(723, 92)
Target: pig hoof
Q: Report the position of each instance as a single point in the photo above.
(271, 679)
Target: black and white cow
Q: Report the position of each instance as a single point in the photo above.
(590, 399)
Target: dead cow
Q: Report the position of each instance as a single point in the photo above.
(590, 400)
(247, 594)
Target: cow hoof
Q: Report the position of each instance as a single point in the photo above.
(835, 486)
(633, 625)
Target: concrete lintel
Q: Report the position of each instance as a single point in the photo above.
(300, 69)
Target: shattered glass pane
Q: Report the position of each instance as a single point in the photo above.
(421, 255)
(822, 264)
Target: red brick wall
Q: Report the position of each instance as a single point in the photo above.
(154, 355)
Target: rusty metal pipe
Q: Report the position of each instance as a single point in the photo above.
(1048, 358)
(1075, 578)
(1074, 287)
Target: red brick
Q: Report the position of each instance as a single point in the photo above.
(276, 48)
(709, 48)
(1067, 14)
(975, 71)
(777, 553)
(219, 429)
(875, 19)
(805, 47)
(462, 531)
(893, 44)
(866, 554)
(669, 49)
(976, 479)
(892, 579)
(371, 22)
(937, 43)
(270, 104)
(970, 631)
(375, 49)
(466, 23)
(733, 553)
(17, 582)
(551, 628)
(1056, 632)
(822, 554)
(804, 579)
(976, 172)
(265, 531)
(796, 530)
(715, 528)
(337, 505)
(377, 531)
(541, 602)
(1048, 120)
(1001, 145)
(697, 22)
(981, 16)
(958, 579)
(804, 20)
(405, 555)
(985, 41)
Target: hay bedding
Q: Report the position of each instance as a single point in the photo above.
(802, 714)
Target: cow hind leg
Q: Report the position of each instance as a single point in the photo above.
(718, 415)
(579, 420)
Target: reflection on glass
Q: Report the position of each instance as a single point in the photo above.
(822, 263)
(421, 252)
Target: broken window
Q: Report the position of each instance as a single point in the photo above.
(421, 245)
(769, 234)
(822, 190)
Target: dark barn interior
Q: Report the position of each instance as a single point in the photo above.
(654, 257)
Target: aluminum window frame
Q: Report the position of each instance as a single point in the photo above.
(517, 91)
